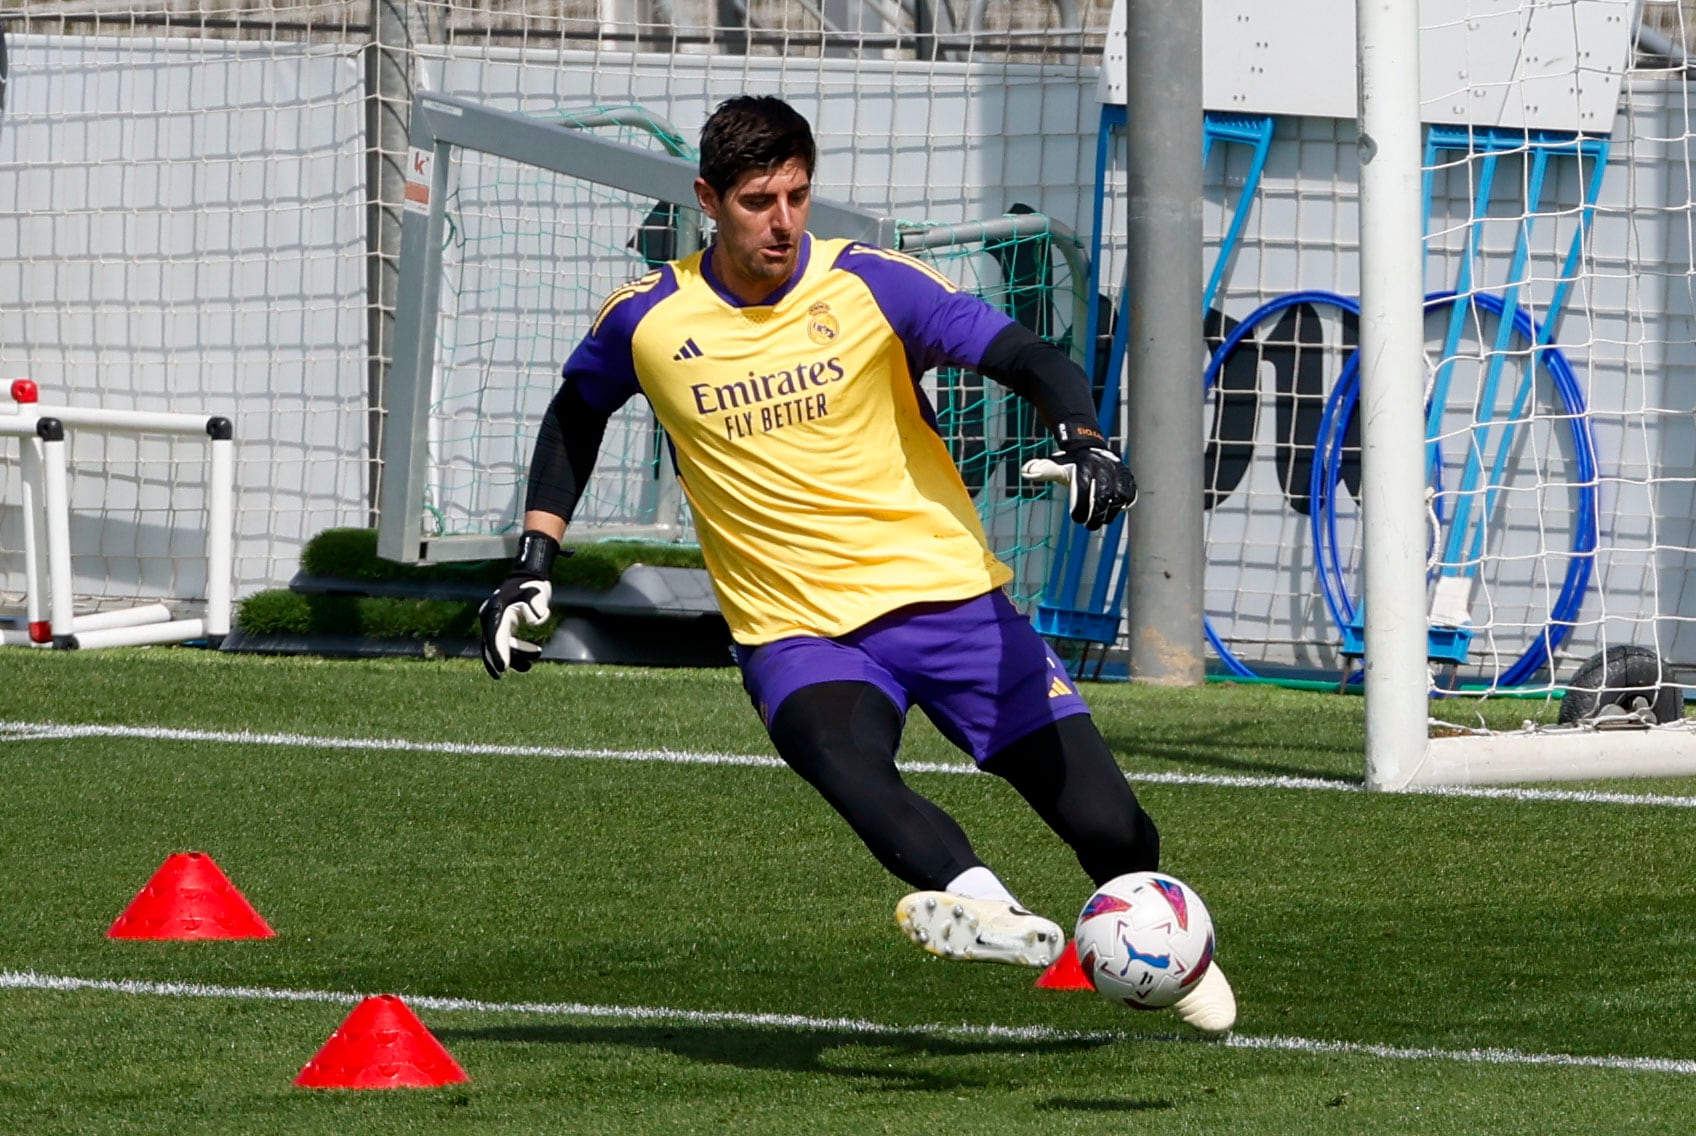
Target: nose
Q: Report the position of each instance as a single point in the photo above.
(782, 216)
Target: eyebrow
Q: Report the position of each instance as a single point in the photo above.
(765, 193)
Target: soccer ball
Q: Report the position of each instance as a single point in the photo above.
(1144, 939)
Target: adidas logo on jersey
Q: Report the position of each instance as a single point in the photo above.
(688, 351)
(1057, 687)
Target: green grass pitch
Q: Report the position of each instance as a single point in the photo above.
(619, 916)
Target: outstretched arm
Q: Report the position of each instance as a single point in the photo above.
(938, 323)
(567, 444)
(1101, 486)
(566, 447)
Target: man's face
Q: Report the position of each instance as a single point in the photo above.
(760, 221)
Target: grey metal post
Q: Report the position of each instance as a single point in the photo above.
(1163, 355)
(399, 24)
(731, 27)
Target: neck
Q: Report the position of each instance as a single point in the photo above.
(749, 291)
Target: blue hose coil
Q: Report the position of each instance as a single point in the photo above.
(1328, 450)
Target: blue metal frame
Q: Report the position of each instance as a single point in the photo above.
(1465, 541)
(1067, 610)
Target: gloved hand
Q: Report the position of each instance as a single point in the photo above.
(522, 597)
(1100, 485)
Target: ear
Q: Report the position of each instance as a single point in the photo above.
(708, 197)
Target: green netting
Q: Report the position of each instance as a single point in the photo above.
(990, 431)
(529, 256)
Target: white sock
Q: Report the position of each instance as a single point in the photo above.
(980, 883)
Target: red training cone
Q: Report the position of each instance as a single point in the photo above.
(189, 897)
(381, 1045)
(1065, 972)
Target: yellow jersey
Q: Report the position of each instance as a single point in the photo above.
(823, 494)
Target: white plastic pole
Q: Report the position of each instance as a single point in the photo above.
(220, 530)
(1392, 384)
(1569, 754)
(175, 631)
(21, 424)
(139, 616)
(57, 501)
(153, 421)
(30, 473)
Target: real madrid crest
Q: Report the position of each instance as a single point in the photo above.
(822, 327)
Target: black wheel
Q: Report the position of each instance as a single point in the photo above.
(1628, 677)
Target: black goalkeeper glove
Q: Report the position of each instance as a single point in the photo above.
(1100, 485)
(523, 597)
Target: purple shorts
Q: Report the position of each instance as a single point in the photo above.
(976, 667)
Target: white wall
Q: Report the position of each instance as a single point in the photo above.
(942, 142)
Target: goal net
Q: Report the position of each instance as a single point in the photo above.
(518, 228)
(1550, 502)
(179, 235)
(202, 201)
(228, 264)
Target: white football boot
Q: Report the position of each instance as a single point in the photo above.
(1210, 1007)
(981, 930)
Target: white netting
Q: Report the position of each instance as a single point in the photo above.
(186, 217)
(1562, 451)
(199, 198)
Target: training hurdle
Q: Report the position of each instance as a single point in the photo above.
(50, 617)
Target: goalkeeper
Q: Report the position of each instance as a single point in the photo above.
(843, 547)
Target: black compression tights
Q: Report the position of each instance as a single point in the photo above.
(841, 737)
(1068, 775)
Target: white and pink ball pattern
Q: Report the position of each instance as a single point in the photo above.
(1144, 939)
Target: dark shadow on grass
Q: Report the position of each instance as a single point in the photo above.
(880, 1059)
(1101, 1104)
(1216, 748)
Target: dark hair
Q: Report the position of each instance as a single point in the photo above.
(753, 132)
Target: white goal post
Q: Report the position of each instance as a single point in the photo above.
(1400, 479)
(443, 129)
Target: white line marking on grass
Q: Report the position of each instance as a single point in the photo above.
(26, 736)
(31, 980)
(1682, 1066)
(50, 731)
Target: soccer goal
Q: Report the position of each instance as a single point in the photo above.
(123, 529)
(519, 225)
(1536, 534)
(516, 228)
